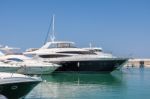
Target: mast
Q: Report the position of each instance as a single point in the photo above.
(53, 29)
(50, 36)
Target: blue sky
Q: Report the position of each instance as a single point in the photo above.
(118, 26)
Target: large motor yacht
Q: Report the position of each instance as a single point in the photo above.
(75, 59)
(15, 86)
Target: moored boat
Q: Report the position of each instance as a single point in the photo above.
(73, 59)
(15, 86)
(20, 63)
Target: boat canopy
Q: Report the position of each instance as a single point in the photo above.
(59, 44)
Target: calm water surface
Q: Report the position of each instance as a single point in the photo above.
(128, 84)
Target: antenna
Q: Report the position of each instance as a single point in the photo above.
(90, 44)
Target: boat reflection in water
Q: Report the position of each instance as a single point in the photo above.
(69, 85)
(76, 78)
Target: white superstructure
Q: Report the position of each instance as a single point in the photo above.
(63, 51)
(100, 52)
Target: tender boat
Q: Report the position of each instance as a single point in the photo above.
(15, 86)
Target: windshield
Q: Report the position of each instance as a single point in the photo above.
(15, 59)
(61, 45)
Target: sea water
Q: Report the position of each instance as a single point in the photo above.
(125, 84)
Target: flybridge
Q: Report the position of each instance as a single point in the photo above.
(59, 44)
(53, 43)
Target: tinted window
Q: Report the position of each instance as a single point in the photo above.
(52, 56)
(15, 59)
(77, 52)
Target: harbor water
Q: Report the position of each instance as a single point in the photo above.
(126, 84)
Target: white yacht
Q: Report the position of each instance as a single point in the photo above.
(15, 86)
(25, 65)
(74, 59)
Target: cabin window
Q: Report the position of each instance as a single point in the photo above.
(53, 56)
(15, 59)
(53, 46)
(77, 52)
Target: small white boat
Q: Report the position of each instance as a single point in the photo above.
(26, 66)
(20, 63)
(14, 86)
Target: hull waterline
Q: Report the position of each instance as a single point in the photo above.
(37, 70)
(91, 65)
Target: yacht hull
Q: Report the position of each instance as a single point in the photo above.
(101, 65)
(8, 69)
(17, 90)
(37, 70)
(29, 69)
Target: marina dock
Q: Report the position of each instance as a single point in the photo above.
(137, 62)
